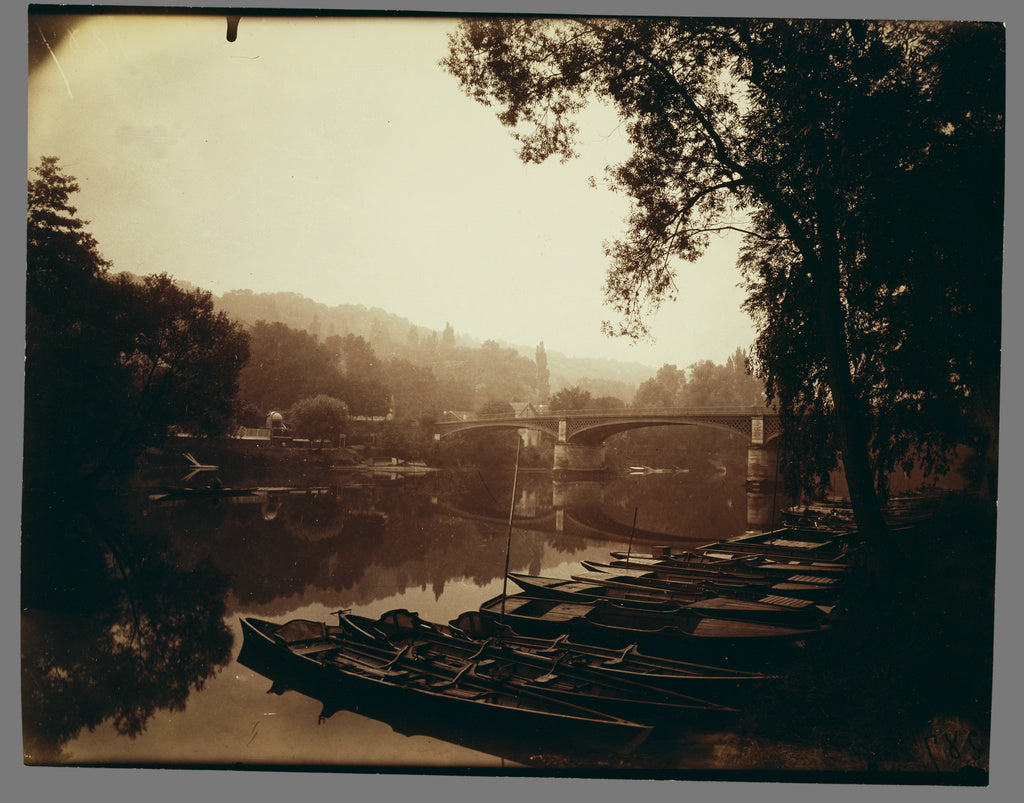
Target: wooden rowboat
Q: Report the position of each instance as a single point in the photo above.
(581, 586)
(401, 638)
(684, 634)
(741, 567)
(318, 660)
(680, 581)
(799, 544)
(708, 682)
(730, 600)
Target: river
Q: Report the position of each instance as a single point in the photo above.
(132, 604)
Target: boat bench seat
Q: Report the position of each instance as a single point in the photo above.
(567, 611)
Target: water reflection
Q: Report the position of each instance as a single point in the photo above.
(131, 603)
(113, 627)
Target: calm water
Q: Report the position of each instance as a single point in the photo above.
(131, 631)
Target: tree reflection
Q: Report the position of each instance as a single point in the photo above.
(113, 628)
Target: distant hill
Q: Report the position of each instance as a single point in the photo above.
(394, 336)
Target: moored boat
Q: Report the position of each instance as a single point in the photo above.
(752, 567)
(680, 581)
(401, 638)
(800, 544)
(318, 660)
(728, 599)
(562, 588)
(717, 683)
(684, 634)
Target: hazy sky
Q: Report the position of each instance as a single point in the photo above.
(334, 158)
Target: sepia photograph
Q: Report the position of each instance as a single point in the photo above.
(512, 395)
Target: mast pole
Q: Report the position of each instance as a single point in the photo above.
(508, 544)
(629, 550)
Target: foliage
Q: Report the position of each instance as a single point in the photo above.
(365, 385)
(319, 418)
(460, 368)
(857, 241)
(290, 364)
(607, 403)
(184, 360)
(111, 363)
(707, 385)
(496, 407)
(448, 336)
(543, 386)
(570, 399)
(75, 385)
(287, 365)
(417, 393)
(664, 389)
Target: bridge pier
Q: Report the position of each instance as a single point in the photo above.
(762, 481)
(579, 457)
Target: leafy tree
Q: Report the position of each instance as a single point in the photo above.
(499, 372)
(417, 393)
(183, 361)
(709, 385)
(319, 417)
(75, 385)
(570, 399)
(287, 365)
(607, 403)
(365, 387)
(111, 363)
(857, 234)
(543, 388)
(448, 337)
(358, 359)
(745, 389)
(664, 389)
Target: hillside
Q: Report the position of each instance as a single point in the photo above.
(394, 336)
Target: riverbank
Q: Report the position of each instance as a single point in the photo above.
(903, 683)
(899, 692)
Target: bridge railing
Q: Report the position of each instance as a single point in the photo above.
(627, 412)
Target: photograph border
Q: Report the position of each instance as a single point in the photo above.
(46, 783)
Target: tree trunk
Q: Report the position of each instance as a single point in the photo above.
(854, 437)
(850, 421)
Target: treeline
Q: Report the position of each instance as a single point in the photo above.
(112, 362)
(704, 384)
(443, 352)
(287, 365)
(115, 362)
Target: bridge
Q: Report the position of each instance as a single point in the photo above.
(579, 435)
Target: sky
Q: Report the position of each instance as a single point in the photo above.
(334, 158)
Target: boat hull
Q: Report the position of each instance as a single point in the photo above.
(688, 636)
(468, 713)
